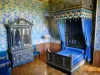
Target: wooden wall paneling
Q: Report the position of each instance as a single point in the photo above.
(41, 48)
(47, 46)
(58, 47)
(96, 58)
(55, 47)
(52, 46)
(38, 47)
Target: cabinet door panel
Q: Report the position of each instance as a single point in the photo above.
(14, 60)
(17, 38)
(26, 37)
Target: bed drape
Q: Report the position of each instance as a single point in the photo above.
(61, 25)
(87, 31)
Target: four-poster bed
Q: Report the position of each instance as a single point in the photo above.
(75, 29)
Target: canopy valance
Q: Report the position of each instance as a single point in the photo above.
(76, 13)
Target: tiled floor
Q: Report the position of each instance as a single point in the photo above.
(38, 67)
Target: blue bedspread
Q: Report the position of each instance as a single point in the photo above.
(77, 54)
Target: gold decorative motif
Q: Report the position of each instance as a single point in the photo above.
(1, 6)
(74, 14)
(6, 1)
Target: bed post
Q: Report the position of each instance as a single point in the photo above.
(71, 64)
(47, 54)
(48, 50)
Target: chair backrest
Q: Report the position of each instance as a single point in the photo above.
(34, 47)
(3, 54)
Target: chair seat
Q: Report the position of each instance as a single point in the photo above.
(4, 63)
(36, 53)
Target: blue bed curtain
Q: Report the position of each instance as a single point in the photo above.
(87, 31)
(61, 24)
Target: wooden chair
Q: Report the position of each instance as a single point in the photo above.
(35, 52)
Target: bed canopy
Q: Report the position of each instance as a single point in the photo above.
(80, 22)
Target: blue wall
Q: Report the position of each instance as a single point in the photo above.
(3, 38)
(97, 34)
(32, 10)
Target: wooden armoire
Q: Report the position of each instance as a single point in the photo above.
(20, 49)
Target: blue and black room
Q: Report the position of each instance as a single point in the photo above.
(49, 37)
